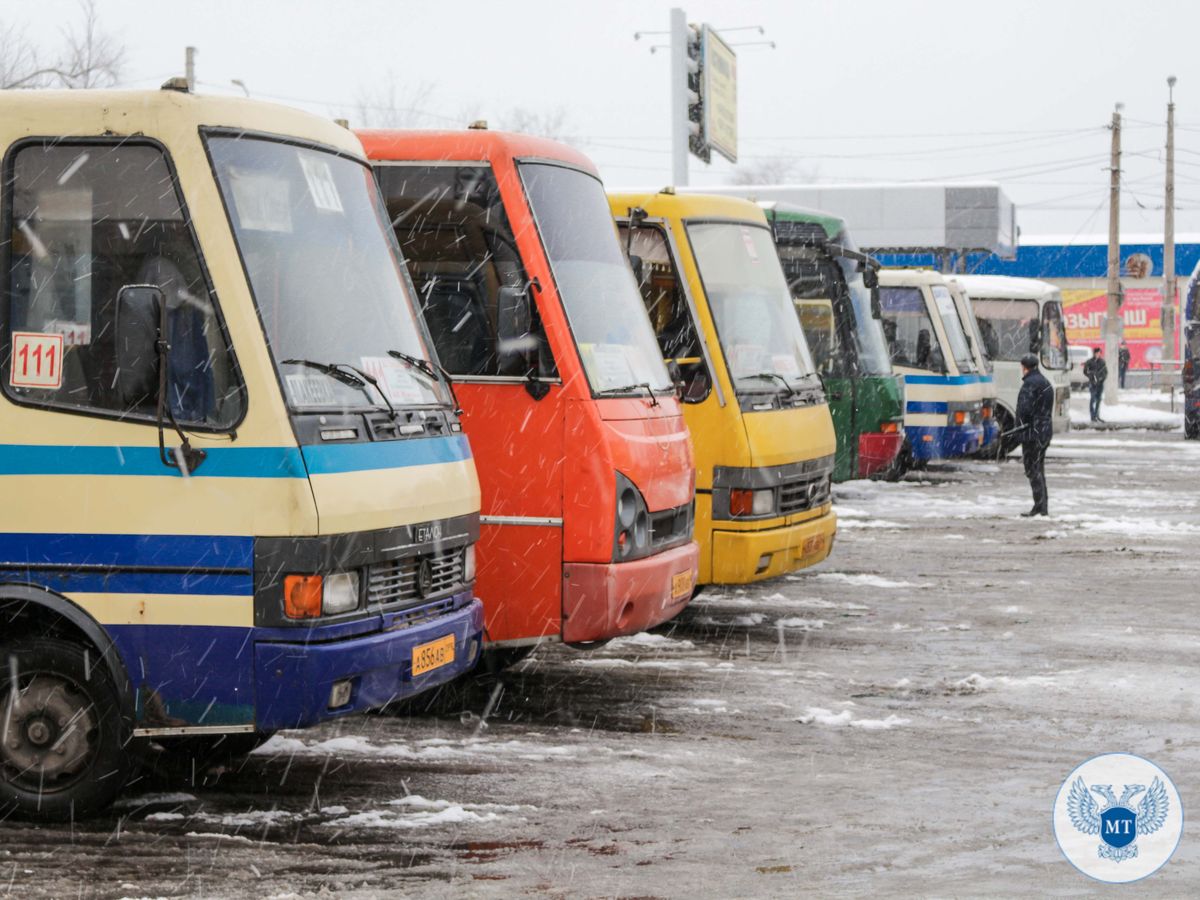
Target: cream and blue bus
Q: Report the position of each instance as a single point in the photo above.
(237, 495)
(943, 411)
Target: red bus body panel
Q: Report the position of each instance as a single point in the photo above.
(551, 463)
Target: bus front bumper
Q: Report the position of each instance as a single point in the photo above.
(604, 600)
(877, 451)
(739, 557)
(296, 681)
(948, 442)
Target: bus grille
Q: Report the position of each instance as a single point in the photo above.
(398, 580)
(671, 526)
(803, 494)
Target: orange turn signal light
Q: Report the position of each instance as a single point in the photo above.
(889, 428)
(741, 502)
(302, 596)
(960, 417)
(987, 412)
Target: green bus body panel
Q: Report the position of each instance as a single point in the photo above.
(866, 402)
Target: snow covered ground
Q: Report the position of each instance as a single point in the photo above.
(1135, 409)
(896, 722)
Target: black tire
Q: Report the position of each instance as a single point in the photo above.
(66, 753)
(1191, 428)
(495, 661)
(900, 465)
(1006, 443)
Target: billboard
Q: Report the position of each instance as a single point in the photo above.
(1084, 310)
(718, 67)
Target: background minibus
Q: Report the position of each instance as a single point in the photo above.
(1019, 316)
(943, 399)
(764, 440)
(983, 365)
(584, 458)
(839, 311)
(228, 508)
(1191, 357)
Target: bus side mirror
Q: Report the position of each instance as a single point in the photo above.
(138, 324)
(514, 322)
(876, 306)
(870, 277)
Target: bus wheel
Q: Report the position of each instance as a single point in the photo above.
(63, 752)
(900, 465)
(1191, 428)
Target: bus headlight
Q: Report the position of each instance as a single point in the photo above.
(744, 502)
(632, 526)
(469, 564)
(340, 593)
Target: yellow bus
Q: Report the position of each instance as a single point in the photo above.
(753, 401)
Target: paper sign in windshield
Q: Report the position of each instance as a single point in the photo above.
(397, 382)
(321, 186)
(610, 365)
(309, 390)
(36, 360)
(262, 201)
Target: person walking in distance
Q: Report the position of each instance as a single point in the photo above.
(1123, 357)
(1035, 411)
(1096, 372)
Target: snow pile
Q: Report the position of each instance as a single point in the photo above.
(1128, 526)
(1129, 413)
(416, 811)
(816, 715)
(801, 624)
(646, 641)
(864, 580)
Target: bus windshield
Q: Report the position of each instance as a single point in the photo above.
(971, 327)
(1009, 327)
(325, 275)
(1054, 337)
(617, 346)
(912, 339)
(757, 326)
(948, 313)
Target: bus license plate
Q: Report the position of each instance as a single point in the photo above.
(681, 585)
(434, 655)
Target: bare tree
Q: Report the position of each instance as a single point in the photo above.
(384, 105)
(88, 57)
(552, 123)
(773, 170)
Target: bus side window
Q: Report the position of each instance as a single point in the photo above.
(667, 306)
(87, 220)
(461, 252)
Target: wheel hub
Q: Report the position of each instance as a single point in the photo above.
(47, 731)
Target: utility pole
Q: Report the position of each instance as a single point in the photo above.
(189, 68)
(1167, 316)
(1112, 321)
(680, 124)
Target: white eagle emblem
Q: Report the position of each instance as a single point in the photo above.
(1117, 822)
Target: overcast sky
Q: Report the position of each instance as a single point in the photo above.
(1017, 92)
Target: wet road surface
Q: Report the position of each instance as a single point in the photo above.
(897, 720)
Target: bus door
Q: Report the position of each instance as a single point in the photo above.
(480, 305)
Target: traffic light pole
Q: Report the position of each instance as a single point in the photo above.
(680, 128)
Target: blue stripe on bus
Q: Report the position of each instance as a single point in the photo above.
(233, 462)
(221, 462)
(927, 406)
(166, 551)
(131, 582)
(330, 459)
(941, 379)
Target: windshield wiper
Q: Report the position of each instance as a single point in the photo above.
(426, 367)
(348, 375)
(791, 391)
(629, 388)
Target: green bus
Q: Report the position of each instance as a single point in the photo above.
(835, 291)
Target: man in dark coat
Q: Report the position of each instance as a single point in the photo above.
(1035, 412)
(1123, 357)
(1096, 372)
